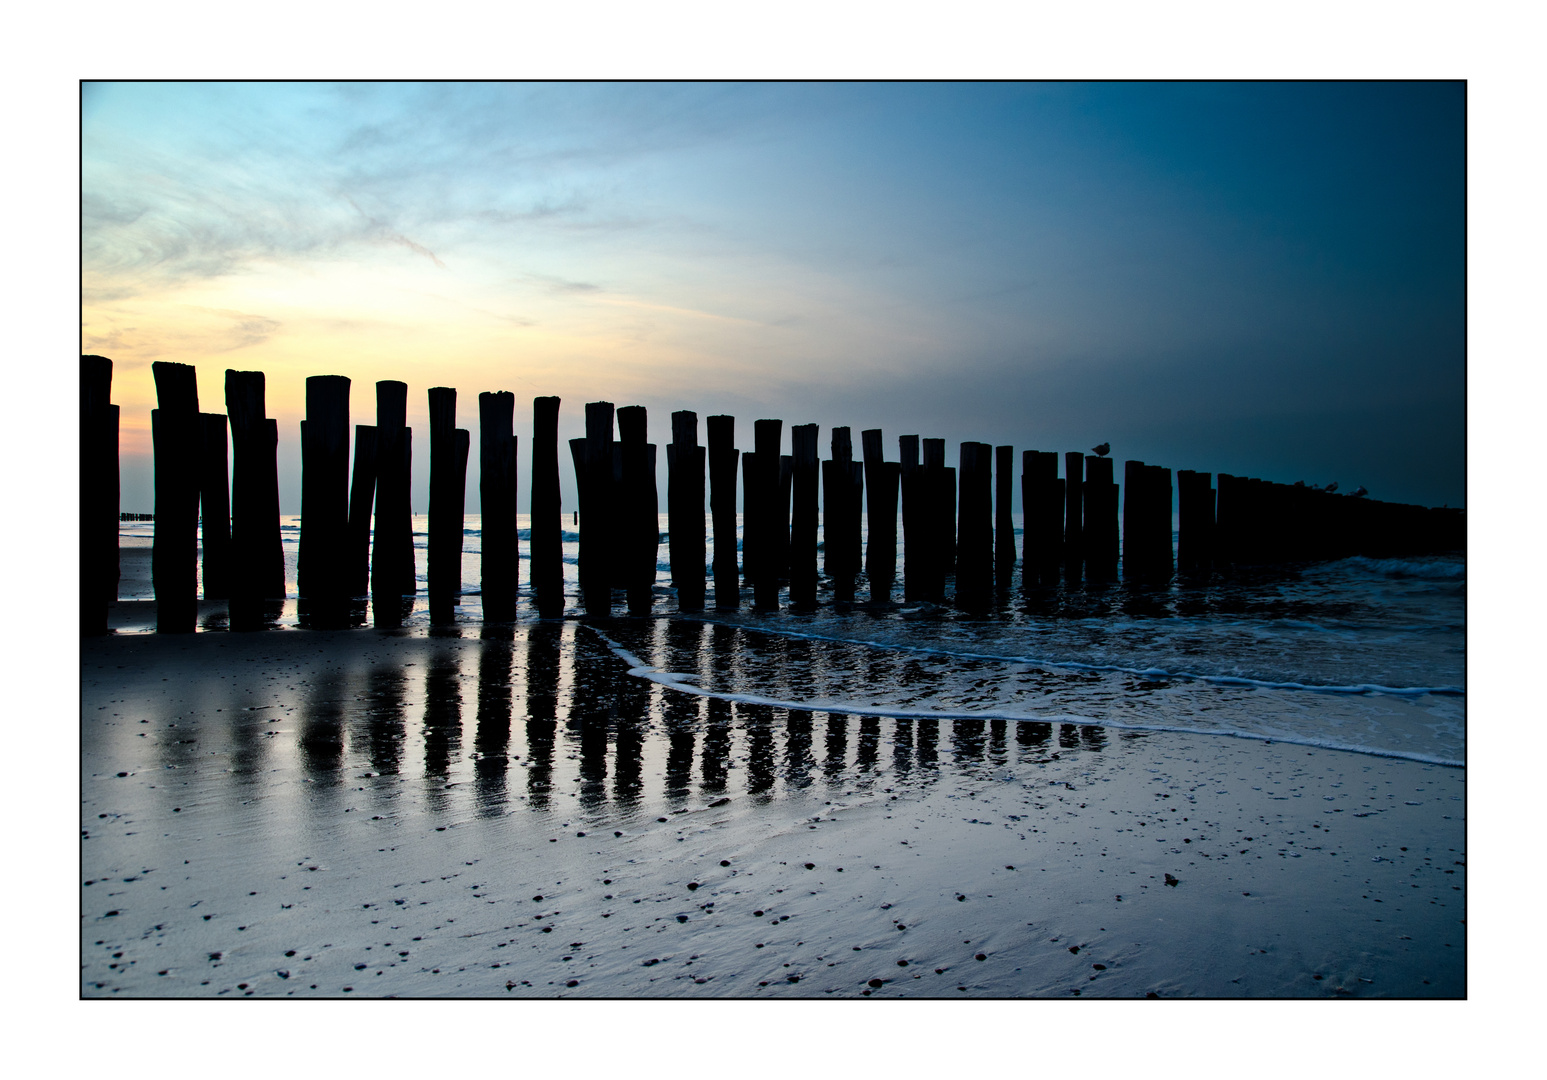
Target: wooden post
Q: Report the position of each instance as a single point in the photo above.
(639, 507)
(448, 491)
(781, 517)
(594, 473)
(215, 506)
(362, 494)
(176, 436)
(803, 531)
(762, 513)
(685, 511)
(257, 556)
(1162, 503)
(321, 571)
(1195, 521)
(1101, 532)
(1074, 514)
(940, 496)
(914, 515)
(1042, 495)
(1134, 562)
(1004, 520)
(392, 543)
(881, 480)
(723, 457)
(99, 494)
(975, 528)
(843, 485)
(547, 515)
(500, 536)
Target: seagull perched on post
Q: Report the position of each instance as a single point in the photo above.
(1359, 492)
(1330, 488)
(1103, 450)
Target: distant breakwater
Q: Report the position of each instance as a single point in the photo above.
(958, 540)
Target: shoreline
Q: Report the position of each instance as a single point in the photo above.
(454, 774)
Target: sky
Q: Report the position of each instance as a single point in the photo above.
(1265, 279)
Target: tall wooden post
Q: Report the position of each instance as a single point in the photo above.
(449, 445)
(685, 511)
(177, 437)
(1004, 521)
(940, 483)
(392, 548)
(1074, 514)
(1101, 531)
(320, 565)
(1160, 503)
(1134, 560)
(914, 516)
(803, 530)
(547, 515)
(843, 485)
(1042, 496)
(881, 480)
(975, 529)
(362, 494)
(594, 473)
(258, 557)
(762, 513)
(1195, 521)
(500, 537)
(99, 494)
(639, 507)
(215, 506)
(723, 457)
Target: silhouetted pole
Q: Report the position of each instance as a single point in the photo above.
(320, 566)
(1159, 501)
(501, 550)
(1042, 499)
(685, 511)
(914, 517)
(215, 506)
(881, 479)
(1134, 554)
(547, 515)
(975, 529)
(593, 471)
(764, 519)
(449, 445)
(843, 482)
(639, 507)
(723, 457)
(1195, 521)
(1004, 521)
(176, 437)
(393, 575)
(1074, 514)
(99, 494)
(1101, 531)
(941, 482)
(362, 493)
(803, 529)
(780, 521)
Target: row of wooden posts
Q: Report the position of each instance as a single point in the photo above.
(956, 521)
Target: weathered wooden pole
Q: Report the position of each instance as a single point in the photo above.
(99, 494)
(500, 544)
(762, 499)
(685, 511)
(1042, 495)
(723, 457)
(803, 529)
(392, 547)
(257, 555)
(321, 571)
(1004, 521)
(780, 522)
(881, 481)
(449, 446)
(975, 527)
(1160, 502)
(843, 483)
(914, 516)
(639, 507)
(214, 506)
(593, 471)
(362, 494)
(1195, 522)
(1074, 514)
(1101, 511)
(547, 515)
(1134, 555)
(940, 520)
(177, 437)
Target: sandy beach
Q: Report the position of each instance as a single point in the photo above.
(511, 813)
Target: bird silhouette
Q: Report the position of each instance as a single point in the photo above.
(1359, 492)
(1330, 488)
(1103, 450)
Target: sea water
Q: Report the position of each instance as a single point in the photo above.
(1355, 654)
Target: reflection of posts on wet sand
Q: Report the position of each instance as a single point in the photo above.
(835, 747)
(928, 739)
(717, 746)
(385, 687)
(1032, 738)
(322, 727)
(798, 761)
(681, 713)
(758, 722)
(491, 742)
(630, 719)
(902, 747)
(590, 713)
(543, 655)
(442, 722)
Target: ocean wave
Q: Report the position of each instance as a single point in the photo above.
(1427, 569)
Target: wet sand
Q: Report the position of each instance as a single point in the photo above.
(363, 813)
